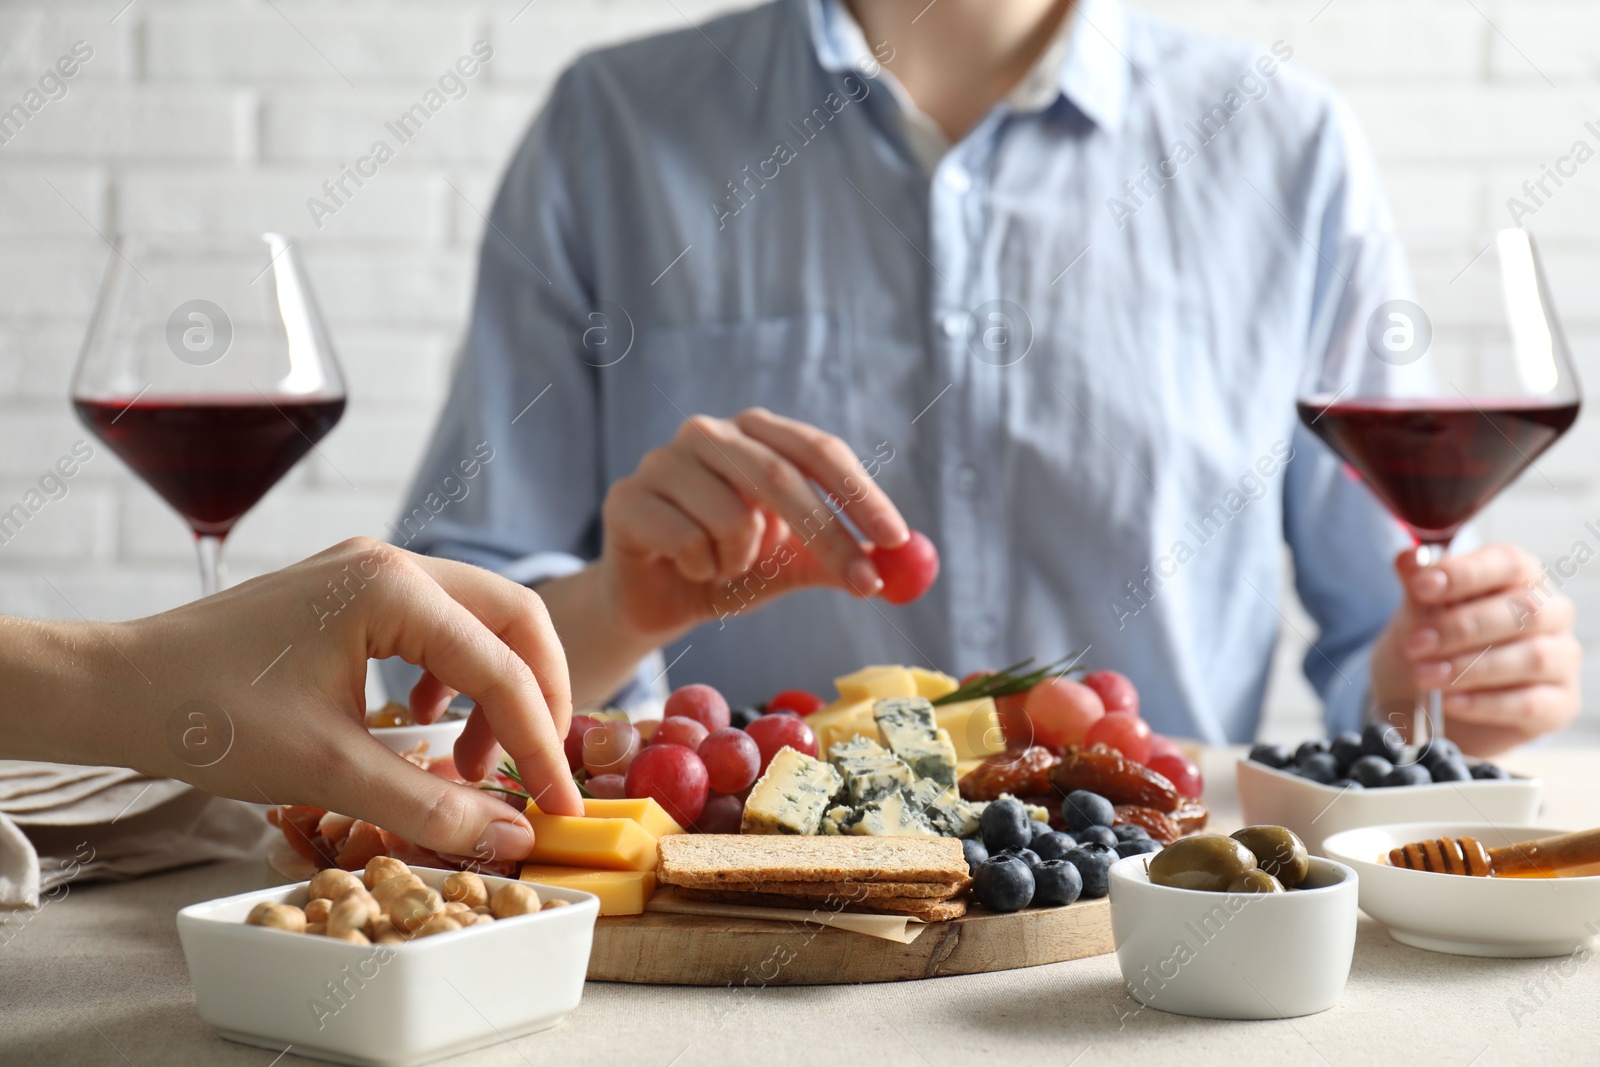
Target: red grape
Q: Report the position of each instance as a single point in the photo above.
(1162, 745)
(581, 724)
(610, 747)
(1126, 733)
(722, 814)
(796, 700)
(607, 786)
(907, 571)
(1061, 712)
(672, 776)
(701, 703)
(1116, 691)
(1177, 769)
(679, 730)
(772, 732)
(732, 759)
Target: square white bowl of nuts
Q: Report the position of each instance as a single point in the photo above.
(393, 966)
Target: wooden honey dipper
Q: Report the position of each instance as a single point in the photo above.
(1467, 855)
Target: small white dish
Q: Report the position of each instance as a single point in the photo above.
(1499, 917)
(1316, 812)
(441, 736)
(388, 1005)
(1234, 955)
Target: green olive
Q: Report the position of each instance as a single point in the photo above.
(1278, 852)
(1256, 881)
(1208, 862)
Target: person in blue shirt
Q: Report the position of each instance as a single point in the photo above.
(1037, 278)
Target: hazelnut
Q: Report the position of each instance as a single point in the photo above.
(258, 912)
(317, 910)
(439, 924)
(284, 917)
(390, 890)
(331, 883)
(465, 887)
(381, 869)
(455, 909)
(351, 912)
(483, 909)
(317, 929)
(355, 937)
(513, 899)
(414, 908)
(472, 918)
(555, 904)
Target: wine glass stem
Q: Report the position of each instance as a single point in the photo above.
(209, 549)
(1429, 554)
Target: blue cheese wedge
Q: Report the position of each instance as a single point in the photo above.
(833, 820)
(943, 807)
(869, 770)
(892, 815)
(792, 797)
(909, 729)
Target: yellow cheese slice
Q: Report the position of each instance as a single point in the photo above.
(841, 721)
(974, 727)
(646, 812)
(933, 684)
(875, 683)
(578, 841)
(620, 892)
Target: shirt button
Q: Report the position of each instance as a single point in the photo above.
(957, 179)
(966, 481)
(954, 324)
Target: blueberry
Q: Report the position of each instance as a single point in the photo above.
(1449, 770)
(1131, 832)
(1083, 809)
(975, 853)
(1093, 861)
(1408, 774)
(1137, 846)
(1054, 845)
(1026, 855)
(1346, 748)
(1320, 767)
(1486, 772)
(1056, 883)
(1379, 739)
(1004, 883)
(1371, 771)
(1439, 750)
(1272, 755)
(1037, 829)
(1103, 834)
(1346, 783)
(742, 717)
(1005, 825)
(1307, 749)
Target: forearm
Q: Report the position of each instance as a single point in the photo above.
(70, 696)
(602, 650)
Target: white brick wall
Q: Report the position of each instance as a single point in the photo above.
(228, 114)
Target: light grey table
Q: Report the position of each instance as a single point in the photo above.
(98, 978)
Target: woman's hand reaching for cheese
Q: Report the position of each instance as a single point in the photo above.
(258, 693)
(726, 516)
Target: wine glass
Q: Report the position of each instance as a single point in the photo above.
(207, 368)
(1435, 444)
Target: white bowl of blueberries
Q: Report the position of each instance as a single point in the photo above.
(1018, 860)
(1324, 787)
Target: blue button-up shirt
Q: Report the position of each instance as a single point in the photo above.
(1072, 348)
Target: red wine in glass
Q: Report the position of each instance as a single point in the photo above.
(211, 458)
(1435, 463)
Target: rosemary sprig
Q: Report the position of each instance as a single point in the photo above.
(509, 769)
(1013, 679)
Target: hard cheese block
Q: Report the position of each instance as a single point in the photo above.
(932, 684)
(620, 892)
(875, 683)
(909, 729)
(577, 841)
(974, 727)
(645, 811)
(791, 797)
(841, 721)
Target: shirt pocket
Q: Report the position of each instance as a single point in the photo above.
(795, 365)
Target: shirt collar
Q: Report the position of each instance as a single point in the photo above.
(1086, 63)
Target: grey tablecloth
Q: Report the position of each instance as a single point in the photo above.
(98, 978)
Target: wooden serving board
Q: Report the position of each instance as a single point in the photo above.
(663, 949)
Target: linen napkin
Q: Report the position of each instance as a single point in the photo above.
(61, 823)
